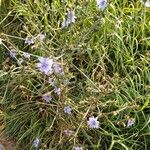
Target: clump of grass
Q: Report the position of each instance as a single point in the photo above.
(100, 72)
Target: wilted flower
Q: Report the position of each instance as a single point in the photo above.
(57, 68)
(0, 41)
(102, 4)
(26, 55)
(47, 98)
(29, 41)
(12, 53)
(130, 122)
(69, 19)
(36, 142)
(92, 122)
(41, 36)
(51, 81)
(67, 110)
(45, 65)
(147, 4)
(41, 109)
(78, 148)
(57, 90)
(68, 132)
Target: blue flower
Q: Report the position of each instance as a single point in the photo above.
(67, 110)
(130, 122)
(26, 55)
(36, 142)
(45, 65)
(29, 41)
(12, 53)
(57, 90)
(92, 122)
(41, 36)
(78, 148)
(102, 4)
(68, 132)
(69, 19)
(47, 98)
(58, 69)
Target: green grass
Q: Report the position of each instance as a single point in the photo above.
(106, 59)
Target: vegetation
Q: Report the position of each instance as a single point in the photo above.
(99, 70)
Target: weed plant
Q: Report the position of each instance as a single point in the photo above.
(75, 76)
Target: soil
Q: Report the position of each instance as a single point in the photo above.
(5, 142)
